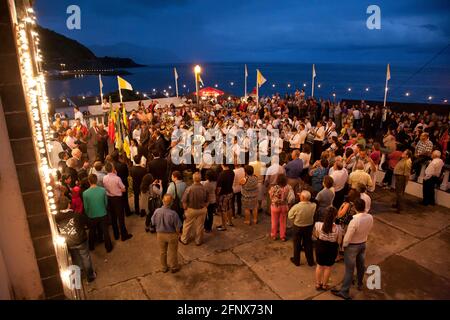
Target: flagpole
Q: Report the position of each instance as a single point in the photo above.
(120, 91)
(245, 88)
(101, 88)
(257, 90)
(386, 87)
(313, 80)
(176, 80)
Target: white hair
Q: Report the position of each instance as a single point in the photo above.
(305, 195)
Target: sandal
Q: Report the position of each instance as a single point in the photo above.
(319, 287)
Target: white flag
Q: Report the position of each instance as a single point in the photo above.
(246, 71)
(176, 73)
(314, 71)
(101, 82)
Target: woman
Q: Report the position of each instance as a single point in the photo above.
(325, 198)
(318, 173)
(280, 195)
(329, 236)
(346, 213)
(250, 195)
(375, 155)
(210, 185)
(347, 210)
(239, 174)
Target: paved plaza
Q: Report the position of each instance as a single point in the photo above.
(412, 250)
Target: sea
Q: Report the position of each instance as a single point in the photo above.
(333, 81)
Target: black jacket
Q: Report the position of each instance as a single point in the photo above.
(72, 226)
(122, 172)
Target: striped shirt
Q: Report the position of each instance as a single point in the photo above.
(335, 235)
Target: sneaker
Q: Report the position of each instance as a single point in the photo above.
(221, 228)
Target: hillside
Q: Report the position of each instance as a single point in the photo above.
(59, 49)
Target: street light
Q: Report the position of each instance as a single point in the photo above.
(197, 71)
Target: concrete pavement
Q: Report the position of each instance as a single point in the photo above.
(411, 249)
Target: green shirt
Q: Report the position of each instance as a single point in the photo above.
(302, 214)
(95, 201)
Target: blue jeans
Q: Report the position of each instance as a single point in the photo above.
(354, 254)
(82, 258)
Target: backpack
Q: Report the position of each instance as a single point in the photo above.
(154, 202)
(176, 205)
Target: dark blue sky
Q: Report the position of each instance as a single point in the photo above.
(165, 31)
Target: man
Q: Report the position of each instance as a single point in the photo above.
(432, 174)
(195, 203)
(158, 169)
(114, 190)
(319, 136)
(294, 142)
(76, 156)
(167, 224)
(302, 216)
(355, 249)
(92, 142)
(402, 172)
(138, 171)
(340, 178)
(359, 176)
(71, 226)
(102, 144)
(70, 140)
(422, 153)
(364, 196)
(224, 194)
(78, 115)
(122, 171)
(95, 204)
(294, 170)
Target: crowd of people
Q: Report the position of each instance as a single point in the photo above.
(318, 184)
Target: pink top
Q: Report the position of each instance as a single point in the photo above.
(77, 203)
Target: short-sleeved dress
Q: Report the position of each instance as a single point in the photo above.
(250, 193)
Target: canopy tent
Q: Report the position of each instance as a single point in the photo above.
(210, 92)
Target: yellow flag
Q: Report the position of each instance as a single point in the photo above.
(260, 78)
(124, 85)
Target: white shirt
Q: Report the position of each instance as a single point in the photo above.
(264, 147)
(358, 229)
(303, 135)
(295, 141)
(367, 200)
(239, 174)
(340, 178)
(320, 134)
(434, 168)
(306, 159)
(137, 134)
